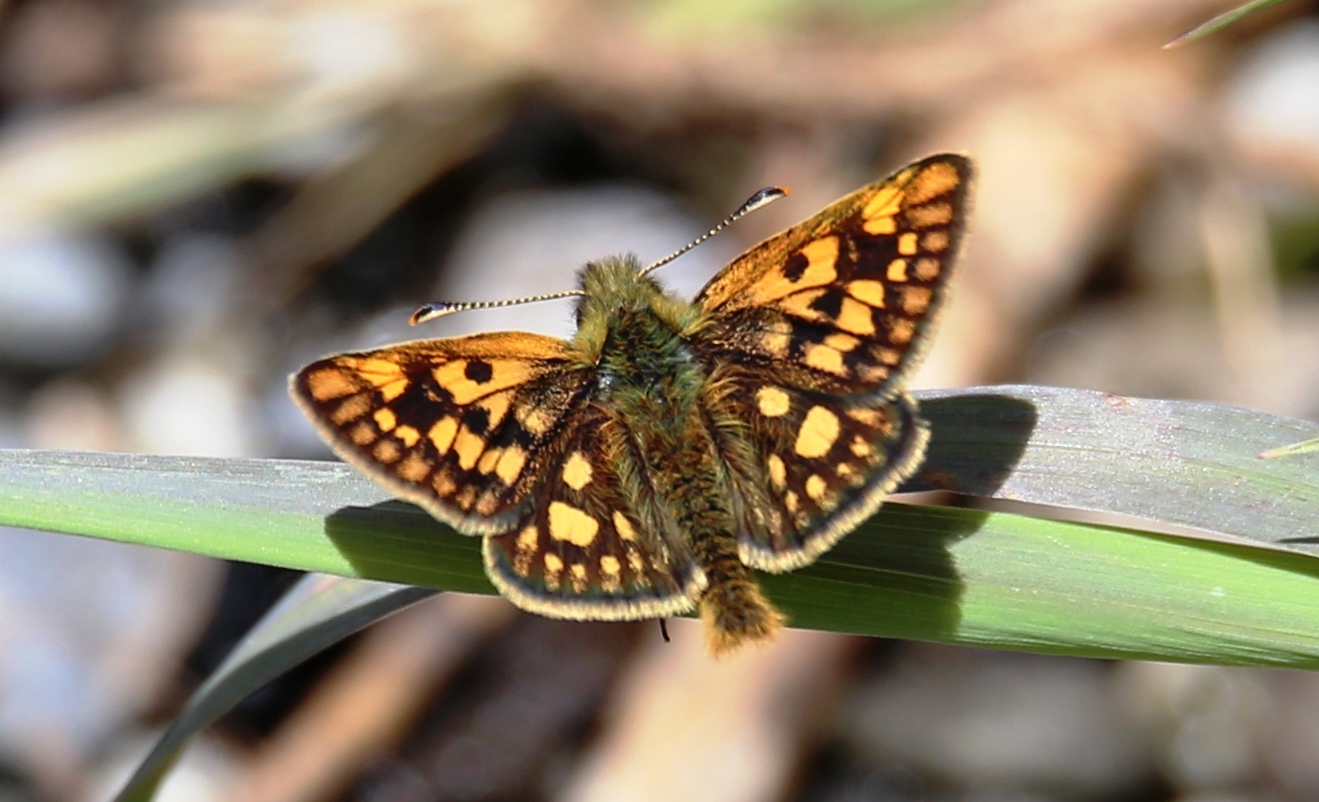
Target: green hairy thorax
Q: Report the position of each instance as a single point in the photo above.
(630, 328)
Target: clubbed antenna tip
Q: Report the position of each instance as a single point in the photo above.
(437, 309)
(760, 198)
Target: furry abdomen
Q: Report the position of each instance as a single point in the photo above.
(650, 378)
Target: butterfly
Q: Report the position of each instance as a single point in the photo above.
(643, 468)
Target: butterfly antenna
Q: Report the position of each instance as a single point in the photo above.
(761, 198)
(438, 309)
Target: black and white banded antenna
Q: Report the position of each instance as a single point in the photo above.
(763, 196)
(438, 309)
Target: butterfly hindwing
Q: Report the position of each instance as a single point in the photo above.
(844, 302)
(582, 551)
(458, 426)
(817, 465)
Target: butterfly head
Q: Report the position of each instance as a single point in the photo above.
(617, 294)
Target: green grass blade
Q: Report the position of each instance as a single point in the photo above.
(952, 576)
(314, 614)
(1175, 463)
(1221, 21)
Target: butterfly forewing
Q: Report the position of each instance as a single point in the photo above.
(582, 551)
(845, 301)
(459, 426)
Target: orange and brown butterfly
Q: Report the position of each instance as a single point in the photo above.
(644, 467)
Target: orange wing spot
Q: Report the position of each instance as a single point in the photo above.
(387, 451)
(799, 305)
(790, 501)
(385, 419)
(624, 527)
(577, 471)
(867, 291)
(778, 472)
(901, 330)
(328, 383)
(408, 435)
(379, 371)
(888, 356)
(822, 357)
(553, 570)
(442, 434)
(915, 300)
(935, 241)
(536, 422)
(817, 433)
(383, 374)
(869, 417)
(897, 270)
(935, 180)
(886, 202)
(488, 460)
(871, 373)
(577, 576)
(413, 469)
(907, 244)
(363, 434)
(525, 549)
(466, 497)
(496, 406)
(842, 342)
(571, 524)
(611, 574)
(444, 485)
(816, 487)
(772, 401)
(511, 462)
(469, 447)
(776, 343)
(636, 562)
(855, 317)
(860, 447)
(933, 214)
(927, 269)
(394, 389)
(352, 409)
(821, 257)
(880, 226)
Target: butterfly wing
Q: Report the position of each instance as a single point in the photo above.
(461, 426)
(806, 467)
(809, 337)
(846, 301)
(583, 551)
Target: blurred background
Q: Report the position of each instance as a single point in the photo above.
(197, 198)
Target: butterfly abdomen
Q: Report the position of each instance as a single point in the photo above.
(692, 490)
(733, 608)
(696, 494)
